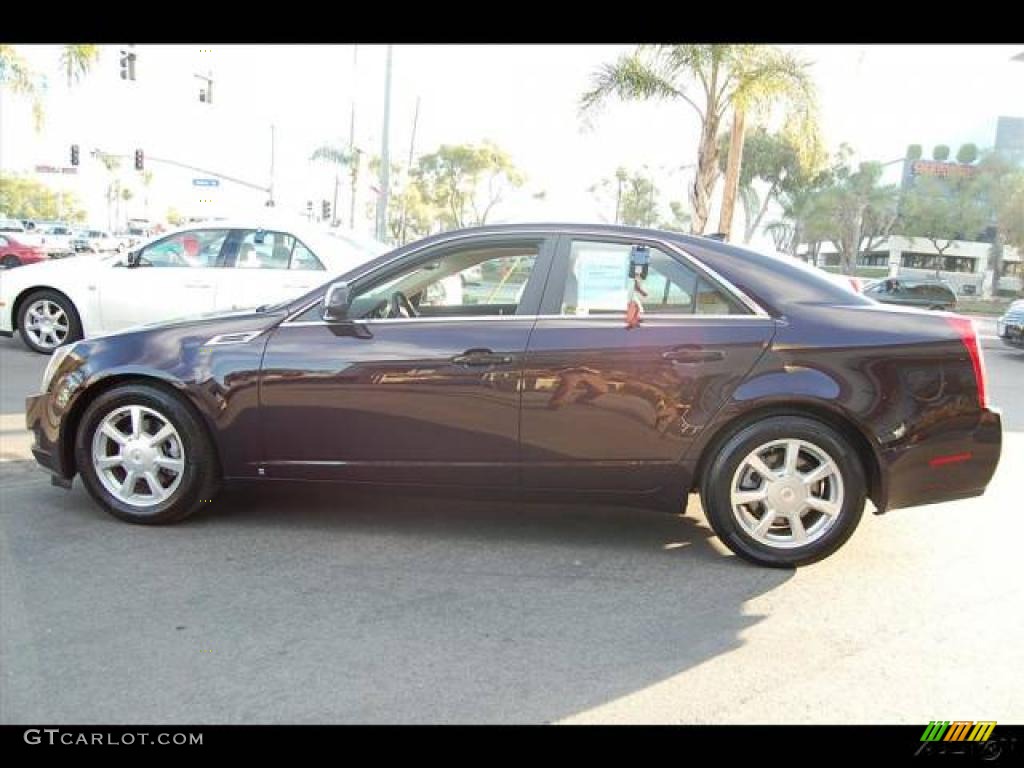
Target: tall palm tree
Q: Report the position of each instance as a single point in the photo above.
(77, 60)
(339, 158)
(711, 79)
(113, 165)
(16, 74)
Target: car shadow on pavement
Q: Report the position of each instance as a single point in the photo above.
(314, 604)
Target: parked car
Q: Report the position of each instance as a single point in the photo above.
(14, 252)
(55, 238)
(1010, 327)
(95, 241)
(784, 399)
(229, 265)
(21, 233)
(929, 294)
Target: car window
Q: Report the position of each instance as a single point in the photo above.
(303, 258)
(195, 248)
(470, 282)
(598, 283)
(262, 249)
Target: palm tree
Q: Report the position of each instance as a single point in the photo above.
(742, 77)
(112, 164)
(16, 73)
(340, 158)
(77, 60)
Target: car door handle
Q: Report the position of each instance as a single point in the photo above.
(686, 355)
(481, 357)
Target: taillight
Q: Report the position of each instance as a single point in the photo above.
(964, 326)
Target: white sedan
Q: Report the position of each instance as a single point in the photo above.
(204, 267)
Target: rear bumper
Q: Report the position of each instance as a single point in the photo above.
(1010, 332)
(956, 464)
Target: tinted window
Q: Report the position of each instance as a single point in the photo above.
(264, 250)
(466, 282)
(197, 248)
(598, 283)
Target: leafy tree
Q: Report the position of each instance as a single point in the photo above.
(1001, 182)
(77, 60)
(914, 152)
(711, 79)
(410, 215)
(174, 217)
(339, 158)
(611, 188)
(967, 154)
(943, 211)
(24, 198)
(680, 220)
(772, 159)
(464, 182)
(940, 153)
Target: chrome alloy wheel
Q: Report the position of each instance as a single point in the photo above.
(47, 324)
(138, 456)
(787, 493)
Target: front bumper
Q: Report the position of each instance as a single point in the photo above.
(47, 447)
(956, 464)
(1010, 332)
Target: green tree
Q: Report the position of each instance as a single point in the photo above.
(410, 215)
(772, 159)
(1001, 182)
(634, 194)
(914, 152)
(77, 61)
(339, 158)
(24, 198)
(465, 182)
(943, 211)
(680, 221)
(712, 79)
(854, 210)
(174, 217)
(967, 154)
(940, 153)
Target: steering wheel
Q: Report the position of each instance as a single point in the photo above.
(400, 306)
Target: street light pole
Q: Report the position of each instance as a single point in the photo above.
(385, 156)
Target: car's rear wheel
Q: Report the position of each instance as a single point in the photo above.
(10, 261)
(784, 491)
(47, 320)
(144, 456)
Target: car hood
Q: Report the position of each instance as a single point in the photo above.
(227, 318)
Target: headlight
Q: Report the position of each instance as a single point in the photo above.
(55, 360)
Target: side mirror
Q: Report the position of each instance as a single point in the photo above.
(336, 302)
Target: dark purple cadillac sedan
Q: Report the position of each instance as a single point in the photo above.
(499, 360)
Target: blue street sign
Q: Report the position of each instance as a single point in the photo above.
(206, 182)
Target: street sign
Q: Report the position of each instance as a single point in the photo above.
(54, 169)
(206, 182)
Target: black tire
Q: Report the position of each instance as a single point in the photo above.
(74, 322)
(201, 477)
(716, 490)
(10, 261)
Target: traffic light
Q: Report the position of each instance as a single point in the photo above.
(139, 160)
(326, 209)
(74, 154)
(127, 65)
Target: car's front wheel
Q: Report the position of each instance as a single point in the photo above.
(47, 319)
(144, 456)
(10, 261)
(784, 491)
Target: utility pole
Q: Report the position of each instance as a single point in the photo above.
(408, 169)
(353, 157)
(270, 191)
(385, 155)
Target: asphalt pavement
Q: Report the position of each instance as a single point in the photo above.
(315, 604)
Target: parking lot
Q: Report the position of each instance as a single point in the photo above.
(315, 604)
